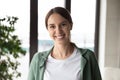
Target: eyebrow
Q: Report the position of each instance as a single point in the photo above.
(50, 24)
(65, 21)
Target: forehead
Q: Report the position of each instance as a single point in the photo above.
(55, 17)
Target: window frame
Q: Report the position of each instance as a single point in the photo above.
(33, 28)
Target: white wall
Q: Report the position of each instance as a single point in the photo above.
(103, 9)
(112, 33)
(119, 37)
(109, 48)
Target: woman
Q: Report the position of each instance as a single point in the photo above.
(65, 61)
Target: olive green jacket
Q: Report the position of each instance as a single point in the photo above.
(89, 66)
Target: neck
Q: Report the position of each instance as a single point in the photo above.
(62, 51)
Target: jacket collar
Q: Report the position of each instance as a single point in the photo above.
(44, 55)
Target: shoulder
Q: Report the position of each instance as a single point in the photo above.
(89, 56)
(39, 59)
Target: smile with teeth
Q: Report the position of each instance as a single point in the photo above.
(60, 36)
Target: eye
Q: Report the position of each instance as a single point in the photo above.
(51, 26)
(63, 24)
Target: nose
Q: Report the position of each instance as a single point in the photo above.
(58, 29)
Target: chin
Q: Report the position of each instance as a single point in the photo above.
(60, 42)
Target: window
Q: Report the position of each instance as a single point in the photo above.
(83, 14)
(20, 9)
(44, 41)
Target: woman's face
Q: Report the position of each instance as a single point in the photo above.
(59, 28)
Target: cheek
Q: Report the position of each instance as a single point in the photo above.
(67, 32)
(50, 33)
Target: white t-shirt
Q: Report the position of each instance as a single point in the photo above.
(68, 69)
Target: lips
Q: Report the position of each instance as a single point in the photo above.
(59, 36)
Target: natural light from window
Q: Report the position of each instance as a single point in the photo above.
(20, 9)
(83, 15)
(44, 41)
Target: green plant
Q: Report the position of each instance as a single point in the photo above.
(10, 49)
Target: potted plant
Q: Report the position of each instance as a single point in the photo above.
(10, 49)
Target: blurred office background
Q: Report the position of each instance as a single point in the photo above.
(96, 25)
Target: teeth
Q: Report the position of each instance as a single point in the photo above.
(59, 37)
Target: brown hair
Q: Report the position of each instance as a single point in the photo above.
(60, 10)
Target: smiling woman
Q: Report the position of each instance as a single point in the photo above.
(64, 61)
(58, 26)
